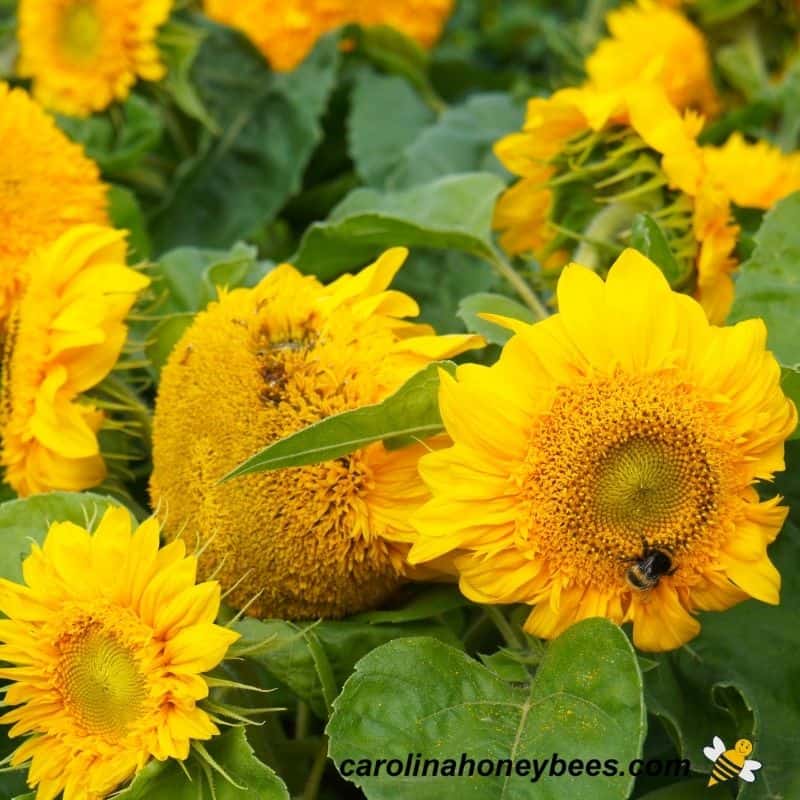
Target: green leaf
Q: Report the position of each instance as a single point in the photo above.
(412, 412)
(683, 790)
(315, 659)
(125, 212)
(179, 45)
(393, 52)
(790, 383)
(648, 238)
(462, 140)
(120, 138)
(456, 274)
(269, 125)
(248, 778)
(27, 520)
(185, 281)
(430, 601)
(451, 213)
(482, 303)
(386, 116)
(714, 11)
(585, 702)
(735, 680)
(768, 283)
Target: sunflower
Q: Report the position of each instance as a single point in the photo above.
(47, 186)
(84, 54)
(286, 30)
(652, 42)
(321, 540)
(623, 427)
(770, 173)
(589, 161)
(106, 643)
(64, 338)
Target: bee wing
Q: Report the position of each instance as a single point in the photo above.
(713, 753)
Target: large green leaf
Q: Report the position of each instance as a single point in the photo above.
(269, 125)
(27, 520)
(454, 212)
(412, 412)
(768, 283)
(119, 139)
(421, 696)
(245, 776)
(387, 115)
(738, 679)
(471, 307)
(768, 286)
(125, 212)
(315, 659)
(179, 45)
(462, 140)
(185, 281)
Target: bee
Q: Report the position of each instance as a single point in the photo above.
(648, 569)
(731, 763)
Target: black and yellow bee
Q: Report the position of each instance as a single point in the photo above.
(648, 569)
(731, 763)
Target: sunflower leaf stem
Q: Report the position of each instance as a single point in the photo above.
(311, 789)
(513, 638)
(208, 762)
(519, 284)
(302, 720)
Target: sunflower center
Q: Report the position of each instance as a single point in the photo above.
(621, 465)
(81, 30)
(639, 483)
(100, 680)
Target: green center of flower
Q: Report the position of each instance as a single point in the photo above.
(640, 484)
(100, 681)
(81, 30)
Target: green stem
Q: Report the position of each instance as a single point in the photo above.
(513, 638)
(520, 286)
(311, 789)
(302, 720)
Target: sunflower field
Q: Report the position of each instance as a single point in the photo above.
(399, 399)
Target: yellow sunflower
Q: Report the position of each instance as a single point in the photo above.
(606, 464)
(770, 173)
(106, 645)
(84, 54)
(286, 30)
(589, 161)
(47, 186)
(64, 338)
(322, 540)
(655, 43)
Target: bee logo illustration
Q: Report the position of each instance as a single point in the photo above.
(731, 763)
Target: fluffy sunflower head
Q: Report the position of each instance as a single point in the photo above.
(260, 364)
(606, 463)
(48, 186)
(659, 44)
(64, 337)
(589, 161)
(286, 30)
(105, 647)
(84, 54)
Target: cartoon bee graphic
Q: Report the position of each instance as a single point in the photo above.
(731, 763)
